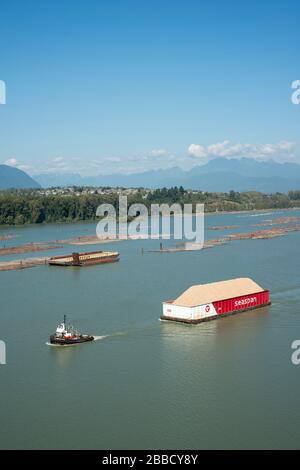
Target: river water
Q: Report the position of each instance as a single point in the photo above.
(149, 384)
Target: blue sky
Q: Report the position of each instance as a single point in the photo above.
(110, 86)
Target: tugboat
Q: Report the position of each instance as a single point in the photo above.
(65, 334)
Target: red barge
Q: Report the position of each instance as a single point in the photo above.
(85, 259)
(215, 300)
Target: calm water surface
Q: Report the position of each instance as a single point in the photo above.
(150, 384)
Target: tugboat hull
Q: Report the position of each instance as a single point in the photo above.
(66, 341)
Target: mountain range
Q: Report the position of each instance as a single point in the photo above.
(219, 174)
(11, 177)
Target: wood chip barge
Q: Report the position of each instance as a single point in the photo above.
(85, 259)
(215, 300)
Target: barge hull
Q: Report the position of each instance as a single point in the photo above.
(85, 259)
(213, 317)
(66, 342)
(85, 263)
(215, 309)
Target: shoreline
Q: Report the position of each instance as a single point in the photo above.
(248, 211)
(90, 221)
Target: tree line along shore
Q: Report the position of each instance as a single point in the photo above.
(19, 207)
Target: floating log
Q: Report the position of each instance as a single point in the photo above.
(277, 221)
(11, 250)
(22, 263)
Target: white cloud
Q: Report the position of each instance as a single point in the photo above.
(11, 162)
(197, 150)
(158, 158)
(158, 153)
(281, 150)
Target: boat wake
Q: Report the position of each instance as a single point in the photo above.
(97, 338)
